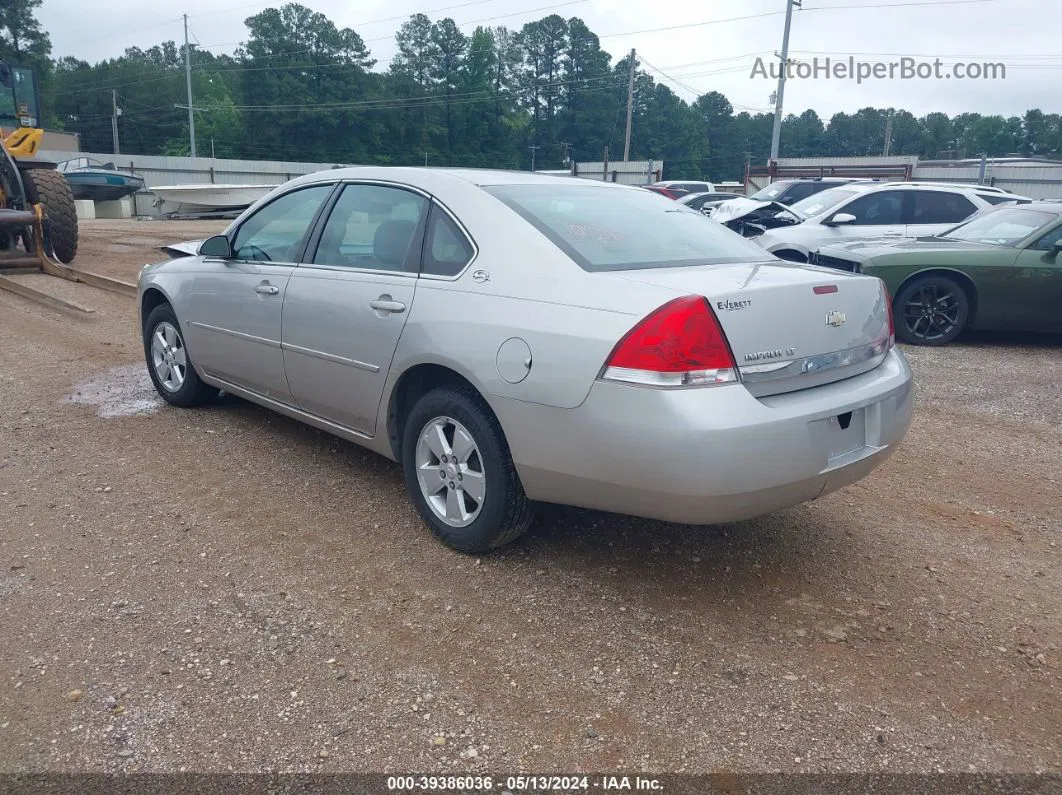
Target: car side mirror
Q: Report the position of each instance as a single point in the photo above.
(217, 246)
(841, 218)
(1056, 249)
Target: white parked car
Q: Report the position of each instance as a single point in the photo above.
(858, 211)
(689, 185)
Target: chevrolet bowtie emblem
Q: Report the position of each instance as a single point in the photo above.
(835, 319)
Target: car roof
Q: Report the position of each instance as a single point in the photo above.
(475, 176)
(866, 187)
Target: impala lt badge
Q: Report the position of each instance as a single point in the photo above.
(835, 319)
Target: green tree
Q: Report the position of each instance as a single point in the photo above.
(305, 84)
(450, 46)
(544, 44)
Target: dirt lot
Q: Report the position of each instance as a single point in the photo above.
(224, 589)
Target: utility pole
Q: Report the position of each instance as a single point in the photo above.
(777, 134)
(188, 80)
(630, 109)
(114, 121)
(888, 135)
(533, 147)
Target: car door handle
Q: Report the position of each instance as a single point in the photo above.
(387, 305)
(266, 289)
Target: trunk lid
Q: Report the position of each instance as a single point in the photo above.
(790, 326)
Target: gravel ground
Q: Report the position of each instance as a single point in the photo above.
(224, 589)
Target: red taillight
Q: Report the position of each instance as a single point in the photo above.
(892, 323)
(680, 344)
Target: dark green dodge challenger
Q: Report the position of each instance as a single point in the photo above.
(1000, 270)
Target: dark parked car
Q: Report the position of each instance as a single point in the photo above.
(790, 191)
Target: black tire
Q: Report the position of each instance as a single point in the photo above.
(192, 391)
(506, 512)
(50, 188)
(931, 310)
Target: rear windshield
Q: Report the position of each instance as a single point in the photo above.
(606, 229)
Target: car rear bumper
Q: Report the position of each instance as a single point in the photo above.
(710, 455)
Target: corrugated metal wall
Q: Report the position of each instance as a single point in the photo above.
(631, 172)
(1035, 179)
(157, 170)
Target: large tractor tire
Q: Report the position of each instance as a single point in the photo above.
(50, 188)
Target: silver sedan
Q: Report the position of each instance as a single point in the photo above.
(513, 338)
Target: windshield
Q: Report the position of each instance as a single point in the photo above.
(823, 201)
(1003, 227)
(605, 229)
(771, 192)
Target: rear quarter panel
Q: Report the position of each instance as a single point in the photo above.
(569, 318)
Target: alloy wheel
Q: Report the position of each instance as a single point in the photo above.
(450, 471)
(168, 356)
(932, 313)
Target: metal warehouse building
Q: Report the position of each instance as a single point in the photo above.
(1037, 178)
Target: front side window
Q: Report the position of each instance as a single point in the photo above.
(372, 226)
(614, 229)
(277, 232)
(1048, 241)
(940, 207)
(876, 209)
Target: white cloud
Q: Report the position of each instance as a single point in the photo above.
(1019, 33)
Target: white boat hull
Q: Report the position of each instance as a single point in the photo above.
(212, 196)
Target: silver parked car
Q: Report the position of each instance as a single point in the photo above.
(512, 338)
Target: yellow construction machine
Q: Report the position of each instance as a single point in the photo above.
(38, 216)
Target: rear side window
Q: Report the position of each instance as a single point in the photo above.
(939, 207)
(801, 190)
(614, 229)
(446, 251)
